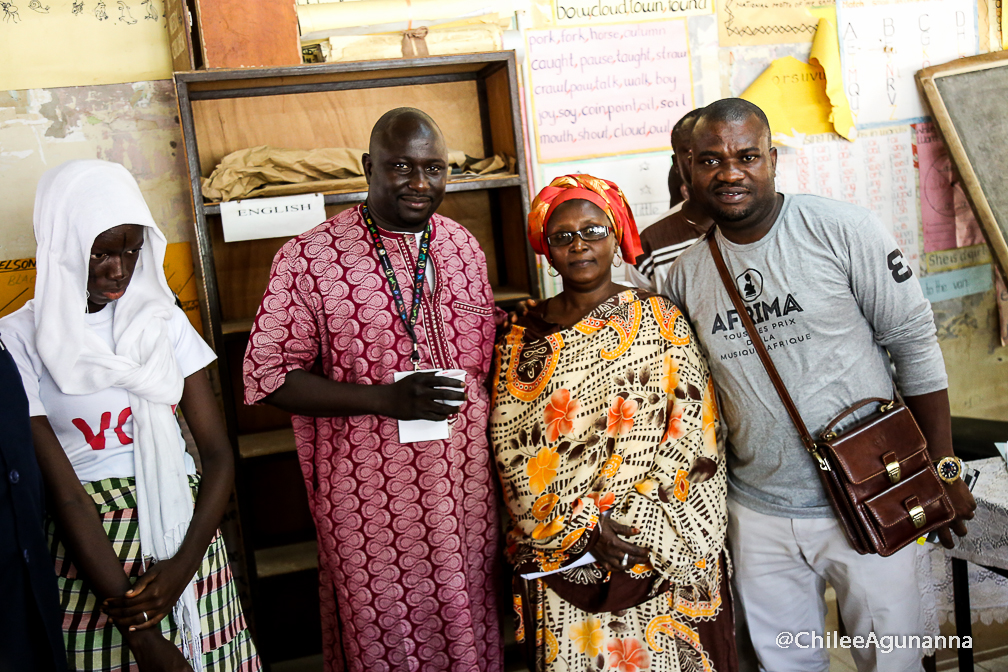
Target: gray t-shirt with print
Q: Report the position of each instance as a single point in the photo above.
(830, 293)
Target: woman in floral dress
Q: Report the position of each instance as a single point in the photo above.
(606, 433)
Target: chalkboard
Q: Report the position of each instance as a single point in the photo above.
(969, 100)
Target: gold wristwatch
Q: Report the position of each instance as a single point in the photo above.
(949, 469)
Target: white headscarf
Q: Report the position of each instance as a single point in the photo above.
(74, 203)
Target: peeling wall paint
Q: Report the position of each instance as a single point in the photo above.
(976, 362)
(133, 124)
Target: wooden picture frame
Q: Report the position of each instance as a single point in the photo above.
(968, 98)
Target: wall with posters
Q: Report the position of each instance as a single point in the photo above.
(606, 80)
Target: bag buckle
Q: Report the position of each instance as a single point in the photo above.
(823, 464)
(888, 406)
(892, 466)
(916, 512)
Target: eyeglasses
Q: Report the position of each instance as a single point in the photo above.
(589, 233)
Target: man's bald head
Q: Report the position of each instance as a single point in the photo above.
(406, 168)
(682, 134)
(396, 127)
(683, 129)
(733, 110)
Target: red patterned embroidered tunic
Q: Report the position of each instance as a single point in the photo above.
(408, 533)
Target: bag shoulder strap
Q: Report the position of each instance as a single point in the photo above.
(757, 343)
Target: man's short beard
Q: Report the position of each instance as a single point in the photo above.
(722, 215)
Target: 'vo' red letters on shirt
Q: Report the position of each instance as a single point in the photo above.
(97, 440)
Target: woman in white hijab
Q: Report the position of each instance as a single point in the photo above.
(106, 356)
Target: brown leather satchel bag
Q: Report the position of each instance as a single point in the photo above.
(877, 473)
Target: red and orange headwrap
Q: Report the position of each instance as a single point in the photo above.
(603, 193)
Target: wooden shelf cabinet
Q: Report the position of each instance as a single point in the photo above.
(474, 98)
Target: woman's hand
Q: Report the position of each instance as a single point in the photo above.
(154, 653)
(151, 598)
(610, 550)
(520, 310)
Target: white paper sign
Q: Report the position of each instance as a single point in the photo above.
(585, 559)
(280, 217)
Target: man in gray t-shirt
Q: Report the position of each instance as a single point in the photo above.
(833, 300)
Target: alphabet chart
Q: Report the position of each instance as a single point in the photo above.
(883, 44)
(606, 90)
(876, 172)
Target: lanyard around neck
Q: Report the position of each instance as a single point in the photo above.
(408, 319)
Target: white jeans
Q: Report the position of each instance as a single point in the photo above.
(781, 567)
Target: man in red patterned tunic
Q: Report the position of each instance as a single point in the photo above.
(407, 532)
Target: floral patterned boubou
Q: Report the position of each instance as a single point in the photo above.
(615, 416)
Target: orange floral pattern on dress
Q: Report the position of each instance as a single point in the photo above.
(588, 636)
(542, 469)
(710, 419)
(531, 368)
(552, 647)
(577, 507)
(646, 487)
(559, 414)
(680, 489)
(546, 530)
(605, 501)
(670, 375)
(627, 330)
(544, 505)
(628, 655)
(612, 465)
(666, 314)
(516, 604)
(572, 538)
(620, 417)
(676, 427)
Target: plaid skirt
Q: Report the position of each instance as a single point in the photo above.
(92, 640)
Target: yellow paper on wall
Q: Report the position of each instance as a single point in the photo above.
(75, 43)
(17, 282)
(984, 32)
(181, 277)
(793, 96)
(802, 99)
(826, 53)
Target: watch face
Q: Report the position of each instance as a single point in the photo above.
(949, 469)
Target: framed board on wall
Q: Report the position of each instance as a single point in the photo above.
(967, 99)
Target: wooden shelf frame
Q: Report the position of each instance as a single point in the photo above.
(288, 559)
(259, 82)
(261, 444)
(474, 183)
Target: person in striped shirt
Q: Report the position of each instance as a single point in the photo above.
(678, 228)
